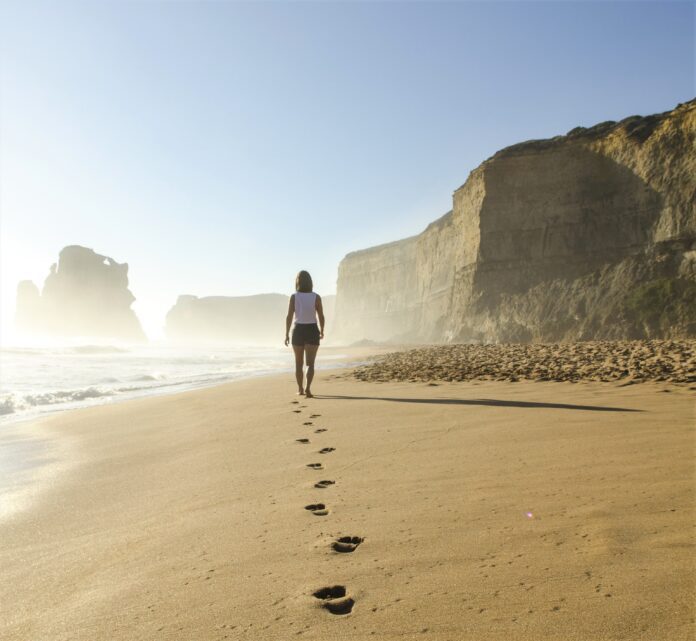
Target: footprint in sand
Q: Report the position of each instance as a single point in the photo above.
(302, 440)
(318, 509)
(308, 423)
(326, 450)
(335, 600)
(315, 466)
(320, 430)
(297, 411)
(324, 484)
(346, 544)
(314, 415)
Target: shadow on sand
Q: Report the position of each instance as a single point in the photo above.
(481, 401)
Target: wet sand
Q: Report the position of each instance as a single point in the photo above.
(468, 510)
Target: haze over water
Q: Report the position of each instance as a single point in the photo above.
(38, 380)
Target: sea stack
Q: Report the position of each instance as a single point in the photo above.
(85, 295)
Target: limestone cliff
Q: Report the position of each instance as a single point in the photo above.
(257, 320)
(587, 235)
(85, 295)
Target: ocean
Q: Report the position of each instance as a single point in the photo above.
(38, 380)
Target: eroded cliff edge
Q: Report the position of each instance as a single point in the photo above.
(584, 236)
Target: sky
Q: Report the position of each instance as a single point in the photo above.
(219, 147)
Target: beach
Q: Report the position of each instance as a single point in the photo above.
(41, 380)
(452, 510)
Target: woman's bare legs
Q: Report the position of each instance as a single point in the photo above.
(311, 352)
(299, 363)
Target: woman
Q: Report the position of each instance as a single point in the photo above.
(305, 306)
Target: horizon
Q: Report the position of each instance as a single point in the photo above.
(364, 145)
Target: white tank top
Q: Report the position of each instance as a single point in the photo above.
(305, 308)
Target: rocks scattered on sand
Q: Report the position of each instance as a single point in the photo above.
(631, 361)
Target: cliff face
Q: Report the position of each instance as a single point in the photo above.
(588, 235)
(256, 320)
(85, 294)
(374, 286)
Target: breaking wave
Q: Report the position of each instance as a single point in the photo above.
(11, 403)
(40, 380)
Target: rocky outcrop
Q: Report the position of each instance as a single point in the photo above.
(85, 295)
(255, 320)
(227, 319)
(582, 236)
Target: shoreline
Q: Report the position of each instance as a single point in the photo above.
(354, 356)
(44, 456)
(184, 516)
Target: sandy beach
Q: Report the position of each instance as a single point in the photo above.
(465, 229)
(474, 510)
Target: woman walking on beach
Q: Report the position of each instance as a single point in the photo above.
(305, 306)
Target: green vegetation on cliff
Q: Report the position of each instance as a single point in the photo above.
(662, 304)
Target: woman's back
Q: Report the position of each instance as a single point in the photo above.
(305, 307)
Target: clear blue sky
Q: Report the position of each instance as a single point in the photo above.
(218, 147)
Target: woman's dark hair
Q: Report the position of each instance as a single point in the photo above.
(303, 282)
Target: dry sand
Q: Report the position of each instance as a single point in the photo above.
(488, 511)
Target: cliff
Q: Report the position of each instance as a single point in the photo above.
(583, 236)
(85, 294)
(257, 320)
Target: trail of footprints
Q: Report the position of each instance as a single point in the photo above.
(333, 599)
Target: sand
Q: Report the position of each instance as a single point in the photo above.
(469, 511)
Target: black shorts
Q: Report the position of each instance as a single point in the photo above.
(305, 334)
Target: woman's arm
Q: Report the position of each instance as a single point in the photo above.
(288, 318)
(320, 313)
